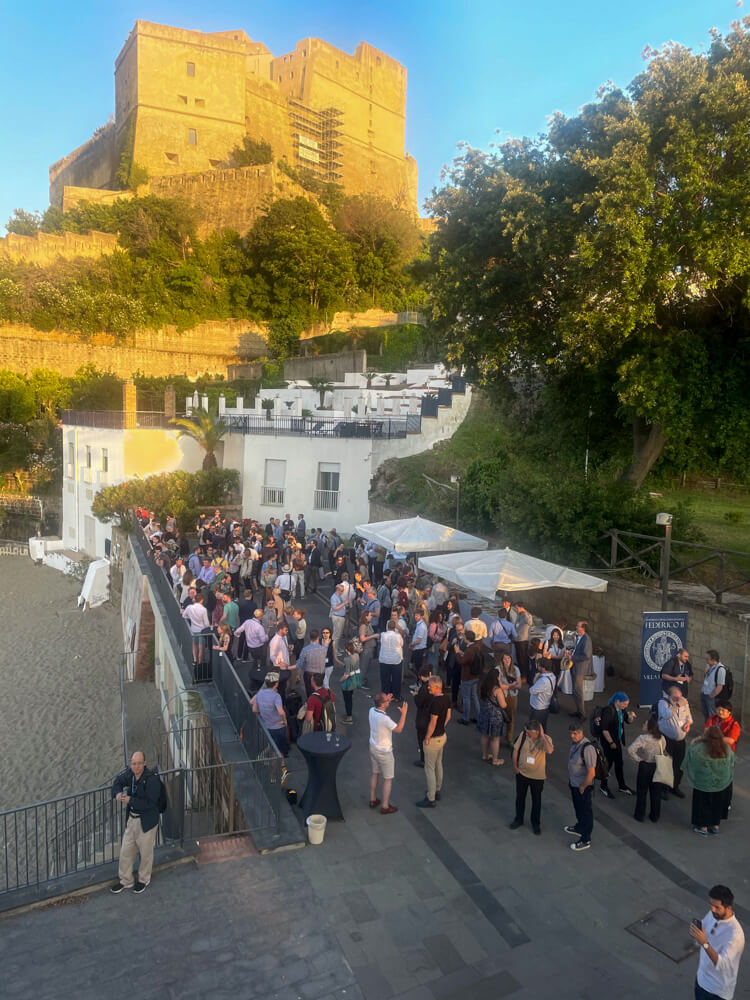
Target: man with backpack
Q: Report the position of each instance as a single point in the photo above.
(321, 710)
(142, 791)
(714, 684)
(582, 763)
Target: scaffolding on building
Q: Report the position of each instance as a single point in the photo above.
(317, 139)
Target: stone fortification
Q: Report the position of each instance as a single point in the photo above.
(331, 366)
(45, 248)
(185, 99)
(208, 347)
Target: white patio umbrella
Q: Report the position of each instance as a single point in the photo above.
(416, 534)
(485, 573)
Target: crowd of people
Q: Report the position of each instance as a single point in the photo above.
(392, 634)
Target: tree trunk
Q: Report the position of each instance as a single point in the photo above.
(209, 462)
(648, 444)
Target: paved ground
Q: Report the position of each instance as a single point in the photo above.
(421, 906)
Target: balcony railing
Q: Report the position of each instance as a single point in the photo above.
(331, 427)
(326, 500)
(273, 496)
(115, 419)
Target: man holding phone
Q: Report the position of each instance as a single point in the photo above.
(722, 942)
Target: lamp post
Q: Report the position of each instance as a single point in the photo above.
(666, 520)
(457, 481)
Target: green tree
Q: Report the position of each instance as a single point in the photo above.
(321, 386)
(252, 152)
(179, 493)
(23, 223)
(205, 428)
(616, 242)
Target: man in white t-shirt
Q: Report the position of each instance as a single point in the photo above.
(722, 942)
(382, 728)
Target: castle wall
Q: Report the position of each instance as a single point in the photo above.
(208, 347)
(267, 117)
(91, 165)
(45, 248)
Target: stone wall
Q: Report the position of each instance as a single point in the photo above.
(615, 620)
(45, 248)
(208, 347)
(330, 366)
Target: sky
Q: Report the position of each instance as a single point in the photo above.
(478, 70)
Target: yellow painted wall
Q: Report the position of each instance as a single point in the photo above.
(149, 452)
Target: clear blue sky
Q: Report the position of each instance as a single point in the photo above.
(474, 67)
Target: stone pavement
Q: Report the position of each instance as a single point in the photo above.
(422, 905)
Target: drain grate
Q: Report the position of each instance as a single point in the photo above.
(666, 933)
(215, 849)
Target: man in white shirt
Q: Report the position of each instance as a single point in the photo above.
(197, 618)
(278, 652)
(382, 728)
(713, 683)
(476, 624)
(177, 572)
(418, 643)
(675, 720)
(722, 942)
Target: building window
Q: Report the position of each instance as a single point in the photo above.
(192, 137)
(274, 482)
(199, 102)
(172, 157)
(105, 460)
(88, 456)
(329, 474)
(190, 69)
(71, 453)
(183, 98)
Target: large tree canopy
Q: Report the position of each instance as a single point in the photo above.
(618, 242)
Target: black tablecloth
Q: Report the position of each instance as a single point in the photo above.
(323, 757)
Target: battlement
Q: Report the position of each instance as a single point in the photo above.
(43, 248)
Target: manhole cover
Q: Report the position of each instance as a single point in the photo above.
(213, 849)
(666, 933)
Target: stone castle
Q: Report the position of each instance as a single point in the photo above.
(185, 99)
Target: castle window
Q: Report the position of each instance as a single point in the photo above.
(291, 75)
(378, 61)
(192, 137)
(337, 64)
(199, 102)
(190, 69)
(183, 98)
(105, 460)
(172, 157)
(304, 53)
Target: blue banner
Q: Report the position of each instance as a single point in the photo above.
(662, 634)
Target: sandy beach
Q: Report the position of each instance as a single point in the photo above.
(59, 687)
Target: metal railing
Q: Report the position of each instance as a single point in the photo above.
(115, 419)
(273, 496)
(326, 500)
(332, 427)
(59, 837)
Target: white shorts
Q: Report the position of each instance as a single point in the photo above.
(382, 762)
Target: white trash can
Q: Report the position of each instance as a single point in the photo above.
(316, 828)
(588, 687)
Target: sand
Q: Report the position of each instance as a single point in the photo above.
(60, 721)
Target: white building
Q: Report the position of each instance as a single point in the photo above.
(319, 465)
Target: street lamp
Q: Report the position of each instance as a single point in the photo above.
(666, 520)
(457, 481)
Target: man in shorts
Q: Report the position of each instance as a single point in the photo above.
(382, 728)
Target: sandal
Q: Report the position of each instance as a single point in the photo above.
(497, 761)
(486, 758)
(374, 803)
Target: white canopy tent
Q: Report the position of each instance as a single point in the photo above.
(484, 573)
(416, 534)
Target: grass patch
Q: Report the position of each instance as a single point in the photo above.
(723, 516)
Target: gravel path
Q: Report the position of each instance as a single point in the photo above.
(60, 724)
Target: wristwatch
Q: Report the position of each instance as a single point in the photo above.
(705, 945)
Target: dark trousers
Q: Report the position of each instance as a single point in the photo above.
(311, 578)
(676, 750)
(535, 786)
(390, 679)
(348, 698)
(707, 807)
(522, 657)
(701, 994)
(646, 787)
(584, 809)
(540, 715)
(308, 678)
(417, 657)
(453, 677)
(614, 758)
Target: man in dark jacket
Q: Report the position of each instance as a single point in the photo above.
(422, 701)
(139, 789)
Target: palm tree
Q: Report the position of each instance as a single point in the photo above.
(321, 386)
(207, 429)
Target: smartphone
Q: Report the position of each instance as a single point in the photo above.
(698, 923)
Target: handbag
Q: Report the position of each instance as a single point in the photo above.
(353, 682)
(566, 662)
(664, 773)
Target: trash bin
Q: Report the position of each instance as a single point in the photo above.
(316, 828)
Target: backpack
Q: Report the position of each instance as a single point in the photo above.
(163, 802)
(653, 715)
(327, 722)
(728, 681)
(601, 772)
(595, 722)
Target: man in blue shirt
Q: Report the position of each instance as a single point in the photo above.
(208, 573)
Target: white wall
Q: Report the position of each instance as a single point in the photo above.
(434, 429)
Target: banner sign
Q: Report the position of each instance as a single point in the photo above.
(662, 634)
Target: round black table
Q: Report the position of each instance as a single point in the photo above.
(323, 757)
